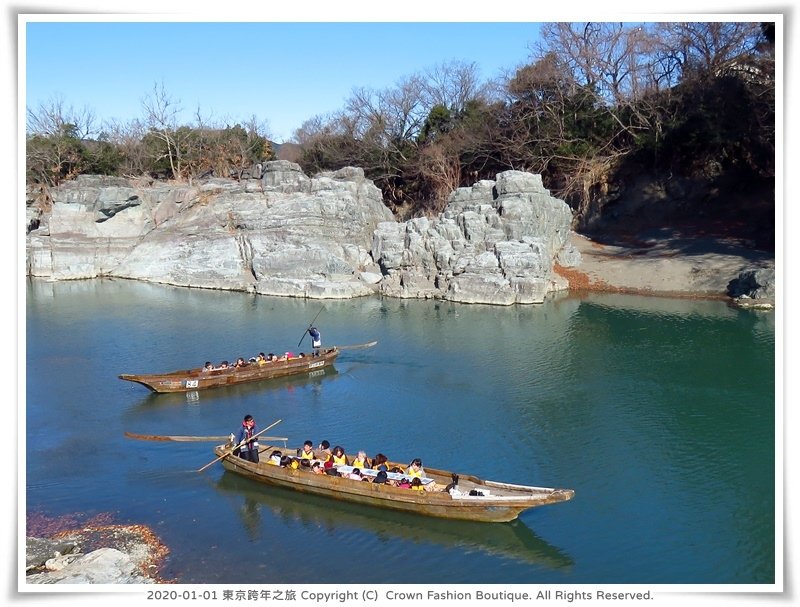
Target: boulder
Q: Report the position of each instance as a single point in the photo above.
(39, 551)
(101, 566)
(754, 288)
(61, 561)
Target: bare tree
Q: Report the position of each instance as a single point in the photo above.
(128, 136)
(453, 85)
(161, 117)
(54, 117)
(706, 47)
(55, 147)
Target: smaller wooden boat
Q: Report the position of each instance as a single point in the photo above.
(475, 499)
(189, 380)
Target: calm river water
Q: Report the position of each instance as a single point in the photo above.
(659, 413)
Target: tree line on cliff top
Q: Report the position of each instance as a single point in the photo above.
(693, 99)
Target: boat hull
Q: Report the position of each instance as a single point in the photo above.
(196, 379)
(504, 505)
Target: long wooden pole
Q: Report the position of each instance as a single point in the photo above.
(178, 438)
(311, 324)
(224, 455)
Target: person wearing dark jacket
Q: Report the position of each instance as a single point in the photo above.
(316, 339)
(248, 450)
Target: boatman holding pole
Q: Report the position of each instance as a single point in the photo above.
(316, 339)
(248, 444)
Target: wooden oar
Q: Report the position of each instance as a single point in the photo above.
(186, 439)
(369, 344)
(224, 455)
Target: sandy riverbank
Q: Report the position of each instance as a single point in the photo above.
(663, 263)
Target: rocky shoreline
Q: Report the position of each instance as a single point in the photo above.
(502, 242)
(285, 234)
(278, 232)
(671, 263)
(98, 554)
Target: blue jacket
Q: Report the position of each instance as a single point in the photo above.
(245, 433)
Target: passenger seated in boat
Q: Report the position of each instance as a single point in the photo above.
(223, 365)
(208, 367)
(280, 359)
(416, 484)
(316, 468)
(305, 464)
(403, 483)
(355, 475)
(339, 458)
(381, 478)
(271, 358)
(361, 460)
(307, 452)
(324, 451)
(379, 462)
(275, 458)
(415, 469)
(240, 362)
(261, 359)
(393, 481)
(286, 461)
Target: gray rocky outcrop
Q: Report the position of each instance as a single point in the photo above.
(754, 288)
(283, 235)
(61, 561)
(280, 232)
(495, 243)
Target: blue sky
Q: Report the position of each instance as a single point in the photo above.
(283, 73)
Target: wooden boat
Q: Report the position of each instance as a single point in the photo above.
(476, 499)
(189, 380)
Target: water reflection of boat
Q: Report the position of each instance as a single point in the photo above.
(512, 540)
(239, 391)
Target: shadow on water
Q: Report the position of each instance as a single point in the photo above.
(215, 395)
(512, 540)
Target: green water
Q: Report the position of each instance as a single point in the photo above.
(659, 413)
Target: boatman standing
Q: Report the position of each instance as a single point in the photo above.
(248, 450)
(316, 339)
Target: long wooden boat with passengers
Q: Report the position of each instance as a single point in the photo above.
(189, 380)
(473, 499)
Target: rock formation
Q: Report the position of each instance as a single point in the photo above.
(124, 554)
(494, 243)
(286, 234)
(754, 288)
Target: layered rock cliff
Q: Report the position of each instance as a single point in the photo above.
(286, 234)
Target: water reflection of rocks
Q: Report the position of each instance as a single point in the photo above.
(511, 540)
